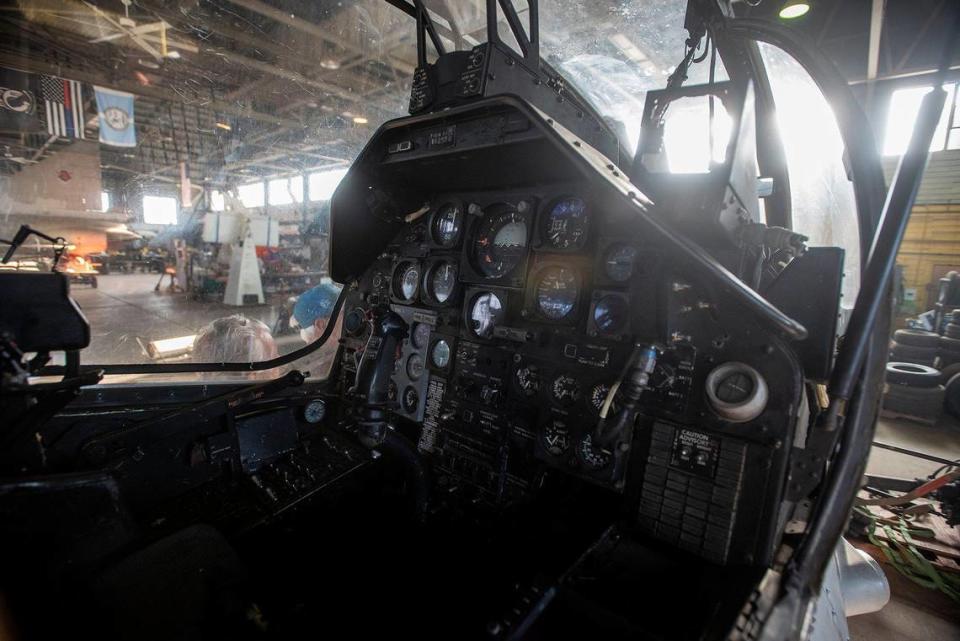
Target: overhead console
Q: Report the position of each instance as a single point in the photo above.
(532, 278)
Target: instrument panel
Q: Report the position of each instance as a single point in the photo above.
(524, 309)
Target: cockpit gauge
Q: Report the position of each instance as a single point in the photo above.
(556, 293)
(566, 224)
(415, 367)
(528, 380)
(592, 457)
(447, 225)
(619, 262)
(556, 437)
(410, 400)
(314, 411)
(598, 395)
(486, 312)
(610, 314)
(441, 281)
(565, 390)
(440, 354)
(420, 336)
(501, 242)
(406, 281)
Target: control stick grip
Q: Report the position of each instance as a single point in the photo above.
(372, 384)
(610, 430)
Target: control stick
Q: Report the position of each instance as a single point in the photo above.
(372, 385)
(629, 390)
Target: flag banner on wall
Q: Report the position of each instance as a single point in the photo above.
(19, 111)
(63, 106)
(115, 109)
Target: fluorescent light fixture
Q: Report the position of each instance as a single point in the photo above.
(794, 9)
(360, 120)
(225, 126)
(330, 63)
(173, 54)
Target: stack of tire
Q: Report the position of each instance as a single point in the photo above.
(914, 390)
(916, 346)
(950, 342)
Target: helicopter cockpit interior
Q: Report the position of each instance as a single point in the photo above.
(574, 393)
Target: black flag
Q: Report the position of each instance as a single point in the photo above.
(18, 102)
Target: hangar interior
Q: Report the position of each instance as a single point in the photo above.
(179, 159)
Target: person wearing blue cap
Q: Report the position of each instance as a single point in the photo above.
(312, 311)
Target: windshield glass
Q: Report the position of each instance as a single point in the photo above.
(187, 152)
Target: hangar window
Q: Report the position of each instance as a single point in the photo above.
(159, 210)
(251, 195)
(903, 111)
(104, 201)
(324, 183)
(285, 191)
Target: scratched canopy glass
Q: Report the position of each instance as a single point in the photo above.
(188, 153)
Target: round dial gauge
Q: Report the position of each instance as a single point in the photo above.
(556, 437)
(566, 224)
(619, 262)
(410, 400)
(528, 378)
(447, 224)
(441, 281)
(406, 280)
(415, 366)
(440, 354)
(610, 314)
(485, 313)
(557, 293)
(314, 411)
(598, 394)
(565, 390)
(590, 455)
(421, 334)
(501, 242)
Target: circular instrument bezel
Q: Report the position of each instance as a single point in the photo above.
(577, 244)
(604, 267)
(621, 328)
(434, 218)
(431, 361)
(471, 301)
(494, 219)
(538, 277)
(428, 295)
(396, 274)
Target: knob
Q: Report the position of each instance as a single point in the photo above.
(737, 392)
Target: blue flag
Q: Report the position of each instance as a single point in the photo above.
(115, 109)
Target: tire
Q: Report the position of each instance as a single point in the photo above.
(916, 337)
(952, 330)
(952, 396)
(948, 358)
(915, 401)
(913, 354)
(949, 371)
(912, 375)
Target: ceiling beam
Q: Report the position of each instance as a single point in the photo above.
(876, 31)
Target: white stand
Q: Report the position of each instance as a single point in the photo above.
(244, 277)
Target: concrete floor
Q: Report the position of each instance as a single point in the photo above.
(125, 306)
(914, 612)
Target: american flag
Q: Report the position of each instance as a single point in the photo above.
(64, 106)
